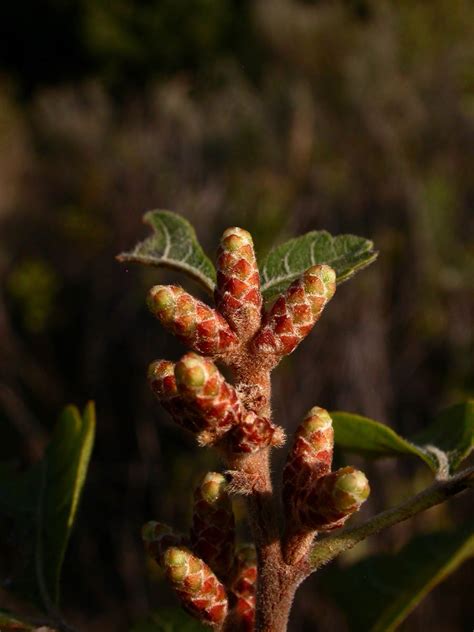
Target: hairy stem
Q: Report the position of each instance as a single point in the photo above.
(296, 546)
(333, 545)
(279, 576)
(271, 614)
(277, 581)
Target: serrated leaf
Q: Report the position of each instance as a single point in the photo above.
(173, 244)
(372, 438)
(169, 620)
(452, 432)
(43, 504)
(378, 593)
(345, 253)
(442, 446)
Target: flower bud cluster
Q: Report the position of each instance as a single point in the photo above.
(206, 573)
(316, 498)
(200, 400)
(193, 391)
(211, 579)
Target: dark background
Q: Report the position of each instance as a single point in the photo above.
(281, 117)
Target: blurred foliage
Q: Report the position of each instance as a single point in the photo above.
(41, 506)
(355, 116)
(126, 43)
(33, 285)
(443, 445)
(378, 593)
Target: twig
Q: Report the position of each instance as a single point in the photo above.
(330, 547)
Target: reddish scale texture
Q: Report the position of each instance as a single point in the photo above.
(216, 402)
(332, 499)
(237, 293)
(243, 588)
(157, 538)
(254, 433)
(294, 314)
(213, 528)
(197, 325)
(310, 457)
(163, 384)
(199, 590)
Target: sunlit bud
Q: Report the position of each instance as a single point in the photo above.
(311, 454)
(332, 499)
(237, 293)
(212, 399)
(199, 590)
(294, 314)
(196, 324)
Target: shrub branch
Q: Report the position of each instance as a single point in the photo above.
(330, 547)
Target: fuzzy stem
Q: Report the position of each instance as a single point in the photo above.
(296, 546)
(278, 579)
(333, 545)
(277, 582)
(274, 595)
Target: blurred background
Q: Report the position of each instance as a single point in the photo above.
(278, 116)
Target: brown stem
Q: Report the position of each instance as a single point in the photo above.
(253, 383)
(296, 546)
(277, 582)
(278, 576)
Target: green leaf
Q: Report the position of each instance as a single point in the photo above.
(442, 446)
(169, 620)
(378, 593)
(452, 432)
(9, 623)
(345, 253)
(372, 438)
(173, 244)
(43, 504)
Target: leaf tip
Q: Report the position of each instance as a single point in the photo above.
(90, 411)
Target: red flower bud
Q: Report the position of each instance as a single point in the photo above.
(237, 294)
(196, 324)
(294, 314)
(213, 529)
(199, 590)
(243, 588)
(254, 433)
(311, 454)
(216, 402)
(332, 499)
(163, 383)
